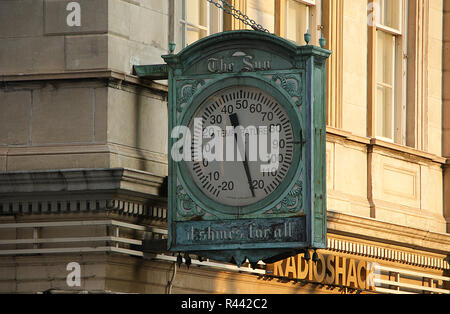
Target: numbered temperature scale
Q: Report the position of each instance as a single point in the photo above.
(258, 194)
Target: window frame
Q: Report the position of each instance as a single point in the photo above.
(314, 27)
(311, 27)
(214, 22)
(399, 84)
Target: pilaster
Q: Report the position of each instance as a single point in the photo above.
(446, 111)
(332, 20)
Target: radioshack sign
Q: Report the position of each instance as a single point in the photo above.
(329, 270)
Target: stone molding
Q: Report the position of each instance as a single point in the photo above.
(137, 193)
(82, 75)
(387, 233)
(81, 190)
(386, 148)
(387, 254)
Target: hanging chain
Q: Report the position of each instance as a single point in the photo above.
(237, 14)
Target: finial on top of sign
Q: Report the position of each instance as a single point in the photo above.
(171, 47)
(307, 37)
(322, 41)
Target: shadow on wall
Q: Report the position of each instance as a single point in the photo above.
(137, 129)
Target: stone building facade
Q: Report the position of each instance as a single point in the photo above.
(83, 145)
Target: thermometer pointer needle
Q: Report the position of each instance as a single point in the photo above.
(235, 123)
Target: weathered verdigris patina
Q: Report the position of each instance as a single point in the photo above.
(291, 218)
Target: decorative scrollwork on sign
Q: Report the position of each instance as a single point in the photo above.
(186, 206)
(186, 90)
(292, 203)
(291, 84)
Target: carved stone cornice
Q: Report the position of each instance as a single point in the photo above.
(80, 190)
(83, 75)
(388, 233)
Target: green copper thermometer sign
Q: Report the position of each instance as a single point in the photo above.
(246, 147)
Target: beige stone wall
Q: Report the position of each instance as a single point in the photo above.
(137, 129)
(138, 33)
(59, 125)
(123, 274)
(435, 61)
(399, 247)
(111, 123)
(81, 123)
(40, 27)
(408, 193)
(31, 274)
(153, 276)
(446, 110)
(347, 175)
(374, 180)
(355, 72)
(114, 34)
(108, 119)
(371, 178)
(354, 105)
(115, 273)
(53, 125)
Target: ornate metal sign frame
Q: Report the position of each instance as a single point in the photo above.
(295, 77)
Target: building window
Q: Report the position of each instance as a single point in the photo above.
(199, 19)
(390, 70)
(290, 19)
(263, 13)
(299, 20)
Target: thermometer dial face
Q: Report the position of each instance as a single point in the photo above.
(242, 176)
